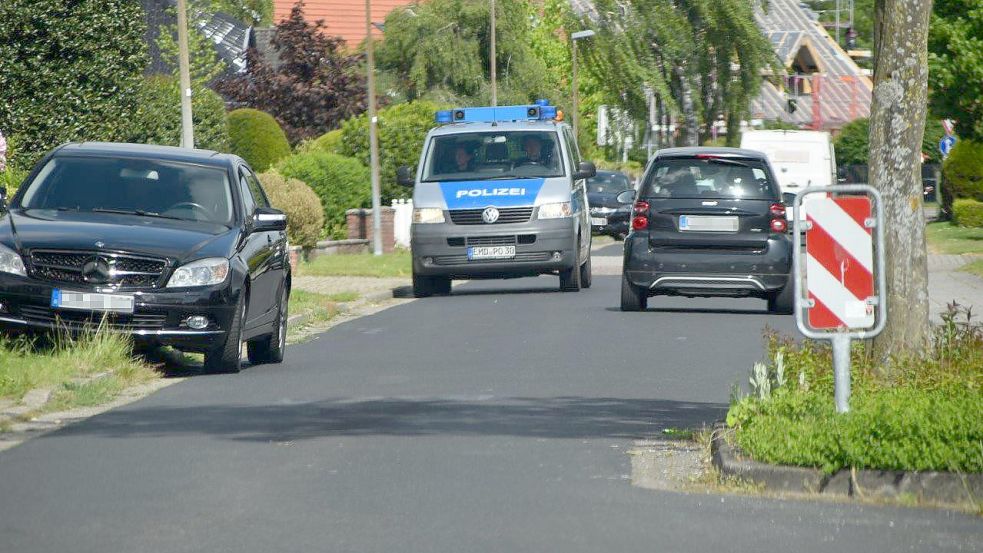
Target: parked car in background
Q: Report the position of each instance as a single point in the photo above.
(173, 246)
(607, 214)
(708, 222)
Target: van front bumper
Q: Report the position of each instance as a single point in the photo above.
(541, 246)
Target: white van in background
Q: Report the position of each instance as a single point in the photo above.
(800, 159)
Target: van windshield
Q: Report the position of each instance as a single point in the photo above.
(721, 178)
(493, 155)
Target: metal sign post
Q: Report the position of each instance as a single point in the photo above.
(844, 276)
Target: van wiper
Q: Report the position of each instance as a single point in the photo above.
(139, 212)
(723, 160)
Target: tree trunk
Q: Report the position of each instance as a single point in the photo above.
(897, 123)
(691, 134)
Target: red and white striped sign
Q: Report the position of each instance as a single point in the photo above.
(840, 263)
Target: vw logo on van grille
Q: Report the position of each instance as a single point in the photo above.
(489, 215)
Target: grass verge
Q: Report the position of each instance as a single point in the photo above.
(975, 267)
(319, 307)
(917, 413)
(397, 264)
(944, 237)
(88, 369)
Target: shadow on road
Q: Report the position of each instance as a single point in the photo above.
(706, 310)
(556, 417)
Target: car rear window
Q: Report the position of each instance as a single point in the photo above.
(709, 177)
(607, 183)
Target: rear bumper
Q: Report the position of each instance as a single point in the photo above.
(702, 273)
(541, 246)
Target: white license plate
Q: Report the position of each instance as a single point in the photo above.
(708, 223)
(491, 252)
(114, 303)
(598, 221)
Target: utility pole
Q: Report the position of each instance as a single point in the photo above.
(493, 59)
(574, 37)
(373, 139)
(184, 70)
(837, 22)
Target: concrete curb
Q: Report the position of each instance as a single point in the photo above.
(942, 487)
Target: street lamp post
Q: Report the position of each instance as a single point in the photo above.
(574, 37)
(184, 76)
(373, 139)
(493, 60)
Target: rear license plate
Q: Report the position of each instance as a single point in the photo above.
(708, 223)
(598, 221)
(491, 252)
(113, 303)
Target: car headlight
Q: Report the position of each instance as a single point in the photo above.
(10, 262)
(203, 272)
(428, 215)
(555, 211)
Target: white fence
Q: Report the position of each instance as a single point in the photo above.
(401, 222)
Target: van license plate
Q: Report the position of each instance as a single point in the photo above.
(599, 221)
(708, 223)
(491, 252)
(113, 303)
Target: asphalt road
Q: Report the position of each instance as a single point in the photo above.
(495, 420)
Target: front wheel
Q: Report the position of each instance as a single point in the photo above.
(225, 358)
(423, 286)
(270, 349)
(585, 274)
(570, 279)
(633, 298)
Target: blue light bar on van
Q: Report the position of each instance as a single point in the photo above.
(540, 111)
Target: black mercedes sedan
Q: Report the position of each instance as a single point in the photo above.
(173, 246)
(607, 214)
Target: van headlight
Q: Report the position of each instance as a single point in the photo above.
(555, 211)
(204, 272)
(427, 215)
(10, 262)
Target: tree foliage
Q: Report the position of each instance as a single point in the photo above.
(853, 142)
(316, 86)
(964, 170)
(256, 137)
(69, 70)
(205, 64)
(955, 44)
(340, 182)
(157, 119)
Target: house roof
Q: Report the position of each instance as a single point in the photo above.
(343, 18)
(230, 36)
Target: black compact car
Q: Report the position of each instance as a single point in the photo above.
(174, 246)
(708, 222)
(608, 215)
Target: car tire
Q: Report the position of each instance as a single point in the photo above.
(423, 286)
(441, 285)
(225, 358)
(570, 278)
(633, 298)
(585, 274)
(782, 302)
(270, 349)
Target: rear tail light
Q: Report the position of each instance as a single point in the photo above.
(779, 225)
(640, 221)
(641, 207)
(778, 210)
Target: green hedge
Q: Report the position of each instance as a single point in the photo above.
(402, 128)
(305, 217)
(340, 182)
(158, 118)
(329, 142)
(967, 213)
(69, 70)
(963, 170)
(255, 136)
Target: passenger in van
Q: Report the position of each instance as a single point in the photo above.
(537, 153)
(464, 157)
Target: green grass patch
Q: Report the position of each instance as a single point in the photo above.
(975, 267)
(320, 307)
(944, 237)
(28, 364)
(344, 296)
(398, 264)
(917, 413)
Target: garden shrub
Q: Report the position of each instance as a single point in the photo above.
(329, 142)
(967, 213)
(402, 128)
(256, 137)
(158, 118)
(963, 170)
(69, 71)
(340, 182)
(305, 216)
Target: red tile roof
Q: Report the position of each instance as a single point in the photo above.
(344, 18)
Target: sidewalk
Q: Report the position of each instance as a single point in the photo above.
(946, 283)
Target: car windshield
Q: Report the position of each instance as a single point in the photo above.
(608, 183)
(139, 186)
(493, 155)
(721, 178)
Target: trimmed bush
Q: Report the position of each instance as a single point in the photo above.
(402, 128)
(329, 142)
(967, 213)
(256, 137)
(340, 182)
(305, 216)
(158, 118)
(963, 170)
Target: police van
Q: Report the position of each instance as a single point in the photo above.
(499, 192)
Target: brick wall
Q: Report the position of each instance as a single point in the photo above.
(360, 226)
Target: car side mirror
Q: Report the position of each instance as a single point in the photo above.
(585, 170)
(626, 197)
(267, 219)
(404, 176)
